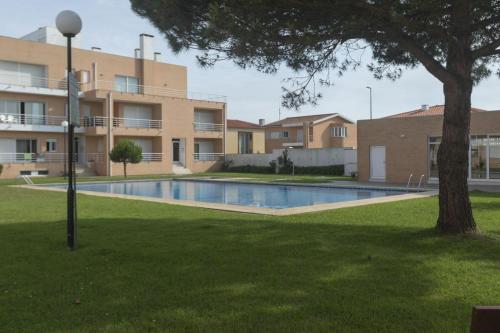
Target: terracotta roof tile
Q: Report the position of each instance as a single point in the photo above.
(435, 110)
(235, 123)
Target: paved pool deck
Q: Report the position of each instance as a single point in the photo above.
(258, 210)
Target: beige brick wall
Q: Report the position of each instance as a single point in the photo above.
(258, 140)
(406, 142)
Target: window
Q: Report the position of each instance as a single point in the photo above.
(278, 135)
(196, 151)
(128, 84)
(244, 142)
(25, 148)
(484, 152)
(478, 158)
(339, 132)
(51, 145)
(494, 158)
(23, 74)
(29, 113)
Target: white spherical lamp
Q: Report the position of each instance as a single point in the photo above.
(69, 23)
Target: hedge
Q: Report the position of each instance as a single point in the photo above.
(331, 170)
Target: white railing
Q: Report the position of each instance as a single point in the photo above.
(155, 91)
(152, 157)
(33, 157)
(208, 156)
(208, 127)
(26, 80)
(136, 123)
(94, 121)
(49, 157)
(27, 119)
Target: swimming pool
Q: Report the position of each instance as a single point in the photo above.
(273, 196)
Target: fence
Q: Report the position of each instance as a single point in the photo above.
(302, 158)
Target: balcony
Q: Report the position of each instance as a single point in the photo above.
(138, 89)
(25, 83)
(208, 127)
(137, 123)
(49, 157)
(208, 156)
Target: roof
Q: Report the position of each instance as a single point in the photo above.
(235, 123)
(435, 110)
(300, 120)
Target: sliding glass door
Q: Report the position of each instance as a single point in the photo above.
(478, 157)
(484, 161)
(494, 158)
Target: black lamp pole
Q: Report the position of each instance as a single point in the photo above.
(71, 204)
(69, 25)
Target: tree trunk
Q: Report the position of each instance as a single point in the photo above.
(125, 169)
(455, 213)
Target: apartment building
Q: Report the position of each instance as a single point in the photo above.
(330, 130)
(391, 149)
(138, 98)
(243, 137)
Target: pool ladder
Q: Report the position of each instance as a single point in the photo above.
(409, 181)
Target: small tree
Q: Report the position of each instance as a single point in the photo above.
(1, 168)
(126, 152)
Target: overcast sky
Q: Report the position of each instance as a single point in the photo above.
(111, 25)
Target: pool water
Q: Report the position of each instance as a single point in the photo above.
(243, 194)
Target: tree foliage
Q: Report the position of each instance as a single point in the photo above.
(125, 152)
(320, 38)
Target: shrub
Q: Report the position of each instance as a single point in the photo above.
(126, 151)
(1, 168)
(331, 170)
(251, 169)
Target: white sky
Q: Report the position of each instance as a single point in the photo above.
(111, 25)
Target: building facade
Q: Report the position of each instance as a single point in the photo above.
(137, 98)
(243, 137)
(393, 148)
(316, 131)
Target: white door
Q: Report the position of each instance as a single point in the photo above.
(377, 163)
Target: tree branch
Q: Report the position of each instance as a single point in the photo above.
(487, 50)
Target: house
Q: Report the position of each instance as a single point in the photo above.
(243, 137)
(330, 130)
(138, 98)
(393, 148)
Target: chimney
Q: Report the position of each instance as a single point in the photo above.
(95, 48)
(137, 53)
(157, 56)
(425, 107)
(146, 46)
(262, 122)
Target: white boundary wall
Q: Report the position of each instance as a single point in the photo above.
(302, 157)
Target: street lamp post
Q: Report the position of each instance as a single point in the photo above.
(371, 105)
(69, 25)
(64, 124)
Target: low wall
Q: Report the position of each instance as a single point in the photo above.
(302, 158)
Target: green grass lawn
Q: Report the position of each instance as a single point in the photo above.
(149, 267)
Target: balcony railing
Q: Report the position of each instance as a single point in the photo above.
(208, 156)
(208, 127)
(136, 123)
(34, 157)
(27, 119)
(94, 121)
(26, 80)
(152, 157)
(153, 90)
